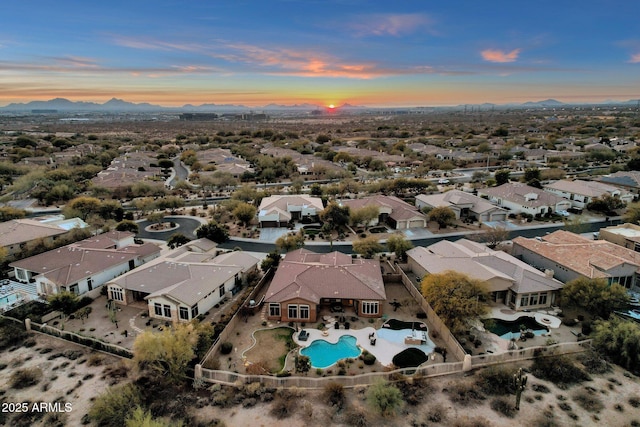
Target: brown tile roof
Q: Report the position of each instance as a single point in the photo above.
(400, 210)
(516, 192)
(590, 258)
(476, 260)
(25, 230)
(70, 264)
(304, 274)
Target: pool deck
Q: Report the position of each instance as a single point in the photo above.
(543, 317)
(383, 350)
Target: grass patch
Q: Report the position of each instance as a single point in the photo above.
(272, 346)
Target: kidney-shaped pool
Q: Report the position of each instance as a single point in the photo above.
(324, 354)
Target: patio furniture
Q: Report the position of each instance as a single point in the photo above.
(303, 335)
(373, 341)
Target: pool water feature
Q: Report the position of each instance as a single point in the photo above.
(508, 329)
(324, 354)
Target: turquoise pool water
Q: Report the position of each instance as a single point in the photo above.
(324, 354)
(6, 300)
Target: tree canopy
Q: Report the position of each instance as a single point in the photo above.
(290, 241)
(336, 215)
(595, 296)
(399, 245)
(619, 341)
(244, 212)
(606, 203)
(169, 351)
(213, 231)
(367, 247)
(443, 215)
(455, 297)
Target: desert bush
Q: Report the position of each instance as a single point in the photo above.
(333, 394)
(226, 347)
(414, 389)
(10, 334)
(471, 422)
(588, 400)
(546, 419)
(436, 413)
(634, 401)
(540, 388)
(356, 418)
(503, 406)
(560, 370)
(95, 360)
(594, 363)
(384, 398)
(283, 408)
(464, 393)
(496, 381)
(113, 407)
(24, 378)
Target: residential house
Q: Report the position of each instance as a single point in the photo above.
(628, 180)
(306, 281)
(185, 282)
(581, 192)
(626, 235)
(509, 280)
(393, 211)
(522, 198)
(464, 205)
(570, 256)
(18, 234)
(84, 266)
(278, 211)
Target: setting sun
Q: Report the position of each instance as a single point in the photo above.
(332, 106)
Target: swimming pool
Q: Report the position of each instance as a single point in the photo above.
(6, 300)
(324, 354)
(508, 329)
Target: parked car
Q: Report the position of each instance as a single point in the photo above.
(443, 181)
(563, 213)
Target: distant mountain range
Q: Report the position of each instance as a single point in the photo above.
(115, 105)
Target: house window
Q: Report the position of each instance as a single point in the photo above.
(157, 309)
(184, 313)
(74, 289)
(524, 301)
(21, 275)
(533, 299)
(543, 299)
(90, 283)
(274, 309)
(167, 310)
(304, 311)
(222, 290)
(116, 294)
(370, 307)
(194, 311)
(293, 311)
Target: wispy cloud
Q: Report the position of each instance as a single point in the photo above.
(391, 24)
(494, 55)
(635, 58)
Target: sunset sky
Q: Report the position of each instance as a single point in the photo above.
(373, 53)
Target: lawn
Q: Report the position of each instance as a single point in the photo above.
(271, 348)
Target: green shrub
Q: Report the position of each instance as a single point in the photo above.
(560, 370)
(588, 400)
(368, 359)
(496, 381)
(112, 408)
(384, 398)
(226, 347)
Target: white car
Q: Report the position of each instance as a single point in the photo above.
(563, 213)
(443, 181)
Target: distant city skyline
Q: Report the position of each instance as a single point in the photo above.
(368, 53)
